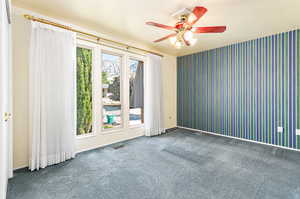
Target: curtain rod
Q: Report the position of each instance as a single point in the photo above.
(110, 46)
(32, 18)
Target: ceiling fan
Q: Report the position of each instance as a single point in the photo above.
(184, 29)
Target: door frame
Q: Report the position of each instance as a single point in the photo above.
(6, 97)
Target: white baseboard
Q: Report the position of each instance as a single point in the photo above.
(107, 144)
(20, 167)
(243, 139)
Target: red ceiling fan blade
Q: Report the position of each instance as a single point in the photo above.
(212, 29)
(160, 25)
(197, 13)
(166, 37)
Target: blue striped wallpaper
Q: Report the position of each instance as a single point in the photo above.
(244, 90)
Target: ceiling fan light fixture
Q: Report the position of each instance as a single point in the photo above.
(173, 40)
(188, 35)
(178, 44)
(184, 30)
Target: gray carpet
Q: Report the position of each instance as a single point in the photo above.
(176, 165)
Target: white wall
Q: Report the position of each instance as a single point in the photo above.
(21, 38)
(169, 75)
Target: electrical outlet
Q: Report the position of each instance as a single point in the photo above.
(279, 129)
(297, 131)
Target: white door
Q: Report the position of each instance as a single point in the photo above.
(5, 106)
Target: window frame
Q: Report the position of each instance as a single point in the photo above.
(137, 58)
(111, 51)
(93, 47)
(97, 50)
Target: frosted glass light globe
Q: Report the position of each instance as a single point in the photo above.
(188, 35)
(173, 40)
(178, 44)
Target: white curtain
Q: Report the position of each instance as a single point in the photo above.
(51, 95)
(137, 94)
(153, 97)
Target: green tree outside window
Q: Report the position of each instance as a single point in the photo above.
(84, 91)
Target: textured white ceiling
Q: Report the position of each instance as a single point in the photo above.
(245, 19)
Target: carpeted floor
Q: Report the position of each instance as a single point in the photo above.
(176, 165)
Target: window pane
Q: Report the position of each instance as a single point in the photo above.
(136, 94)
(111, 93)
(84, 91)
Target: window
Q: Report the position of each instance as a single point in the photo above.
(136, 92)
(84, 91)
(111, 91)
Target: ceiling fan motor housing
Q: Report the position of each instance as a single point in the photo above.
(183, 18)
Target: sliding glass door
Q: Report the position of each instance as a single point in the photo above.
(110, 90)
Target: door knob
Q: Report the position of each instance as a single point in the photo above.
(7, 116)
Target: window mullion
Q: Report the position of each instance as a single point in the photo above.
(97, 91)
(126, 91)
